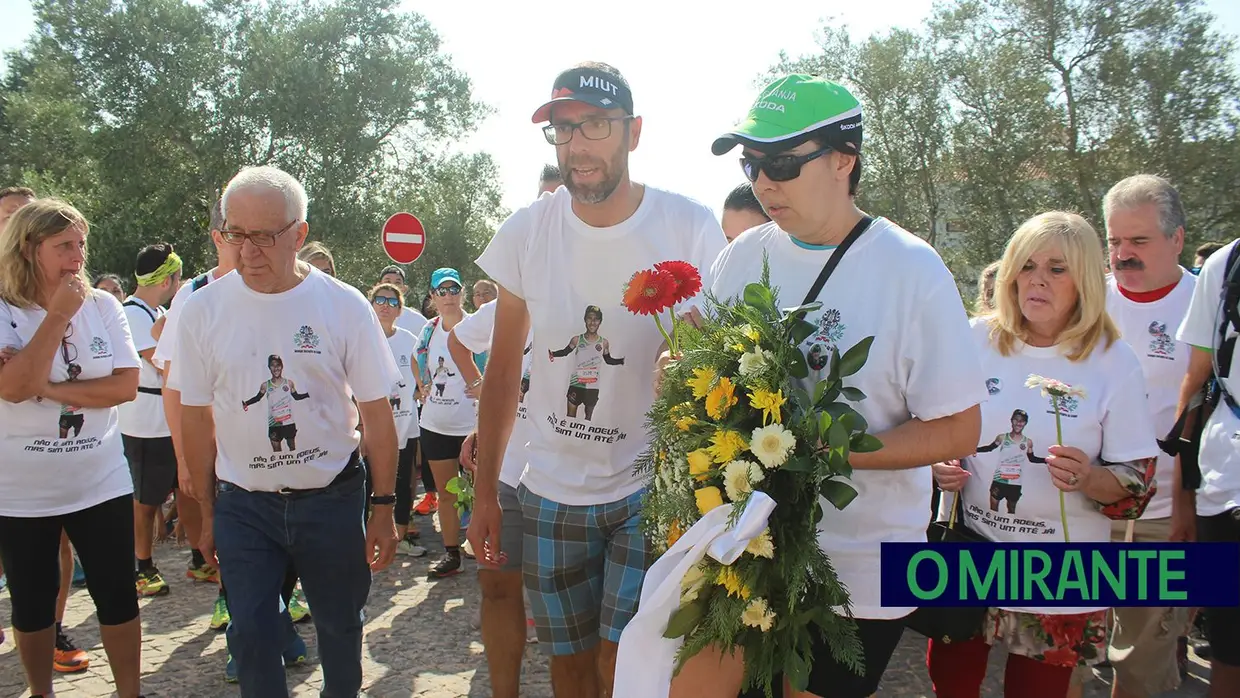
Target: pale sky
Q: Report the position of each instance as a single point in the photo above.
(692, 67)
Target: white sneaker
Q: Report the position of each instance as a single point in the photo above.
(405, 547)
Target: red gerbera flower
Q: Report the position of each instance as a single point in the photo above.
(650, 292)
(688, 280)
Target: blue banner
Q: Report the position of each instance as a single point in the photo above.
(1061, 574)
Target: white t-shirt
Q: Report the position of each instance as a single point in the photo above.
(404, 347)
(411, 320)
(1149, 328)
(279, 371)
(1110, 423)
(144, 417)
(893, 286)
(1220, 441)
(58, 458)
(591, 381)
(474, 332)
(167, 346)
(447, 410)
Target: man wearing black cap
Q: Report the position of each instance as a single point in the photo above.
(565, 257)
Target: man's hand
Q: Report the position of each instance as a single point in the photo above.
(950, 476)
(484, 530)
(469, 453)
(185, 483)
(381, 538)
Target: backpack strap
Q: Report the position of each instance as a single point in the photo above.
(130, 303)
(424, 343)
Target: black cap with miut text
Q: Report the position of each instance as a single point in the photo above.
(597, 84)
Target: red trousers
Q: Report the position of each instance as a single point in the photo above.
(958, 668)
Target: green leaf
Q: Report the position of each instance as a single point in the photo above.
(798, 368)
(837, 435)
(799, 464)
(685, 619)
(796, 668)
(454, 485)
(801, 311)
(865, 443)
(856, 357)
(759, 297)
(824, 423)
(838, 462)
(853, 394)
(799, 332)
(838, 493)
(834, 372)
(819, 389)
(817, 513)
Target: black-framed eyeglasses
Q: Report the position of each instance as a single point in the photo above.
(779, 168)
(595, 129)
(69, 353)
(236, 236)
(386, 300)
(449, 290)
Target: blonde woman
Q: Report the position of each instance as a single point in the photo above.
(317, 255)
(72, 362)
(1049, 320)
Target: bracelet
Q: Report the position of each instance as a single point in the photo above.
(382, 500)
(476, 383)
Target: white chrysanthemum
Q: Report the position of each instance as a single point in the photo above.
(772, 444)
(692, 584)
(753, 361)
(758, 615)
(762, 546)
(738, 478)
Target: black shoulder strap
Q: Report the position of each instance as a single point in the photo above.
(828, 268)
(200, 282)
(135, 304)
(1230, 299)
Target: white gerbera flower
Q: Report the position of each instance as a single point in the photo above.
(738, 478)
(762, 546)
(753, 361)
(772, 444)
(758, 615)
(1052, 387)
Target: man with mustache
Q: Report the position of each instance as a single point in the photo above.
(584, 553)
(1148, 294)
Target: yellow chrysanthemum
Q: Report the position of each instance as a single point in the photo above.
(708, 498)
(758, 615)
(762, 546)
(673, 533)
(699, 463)
(721, 399)
(738, 348)
(751, 332)
(682, 416)
(730, 580)
(770, 404)
(725, 445)
(703, 379)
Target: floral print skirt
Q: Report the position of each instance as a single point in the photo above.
(1060, 640)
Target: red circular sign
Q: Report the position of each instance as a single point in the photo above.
(403, 238)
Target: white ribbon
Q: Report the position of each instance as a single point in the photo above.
(645, 659)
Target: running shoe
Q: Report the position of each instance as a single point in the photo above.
(206, 572)
(230, 669)
(298, 609)
(429, 504)
(410, 549)
(219, 615)
(447, 566)
(151, 583)
(67, 658)
(295, 651)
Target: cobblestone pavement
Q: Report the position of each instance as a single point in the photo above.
(419, 643)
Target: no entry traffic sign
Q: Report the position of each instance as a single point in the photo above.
(403, 238)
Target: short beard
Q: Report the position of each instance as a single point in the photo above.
(613, 171)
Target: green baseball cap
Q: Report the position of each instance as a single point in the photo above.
(792, 108)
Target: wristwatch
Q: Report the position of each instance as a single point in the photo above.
(382, 500)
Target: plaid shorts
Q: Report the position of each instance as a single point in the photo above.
(583, 568)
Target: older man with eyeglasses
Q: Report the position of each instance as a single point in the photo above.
(263, 504)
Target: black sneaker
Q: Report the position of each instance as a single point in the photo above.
(448, 565)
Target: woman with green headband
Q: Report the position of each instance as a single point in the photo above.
(801, 152)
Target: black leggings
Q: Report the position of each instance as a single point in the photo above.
(428, 477)
(404, 481)
(103, 538)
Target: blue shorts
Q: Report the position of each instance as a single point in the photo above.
(583, 568)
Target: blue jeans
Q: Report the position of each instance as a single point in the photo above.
(256, 533)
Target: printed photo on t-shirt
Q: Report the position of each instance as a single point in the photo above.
(1015, 449)
(439, 379)
(394, 399)
(71, 417)
(525, 375)
(821, 343)
(280, 392)
(591, 351)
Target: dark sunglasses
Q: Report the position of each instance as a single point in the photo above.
(69, 353)
(449, 291)
(778, 168)
(386, 300)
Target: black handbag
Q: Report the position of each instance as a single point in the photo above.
(949, 623)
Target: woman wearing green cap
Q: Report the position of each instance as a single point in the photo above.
(802, 153)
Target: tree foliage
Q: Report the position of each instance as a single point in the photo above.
(996, 110)
(140, 112)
